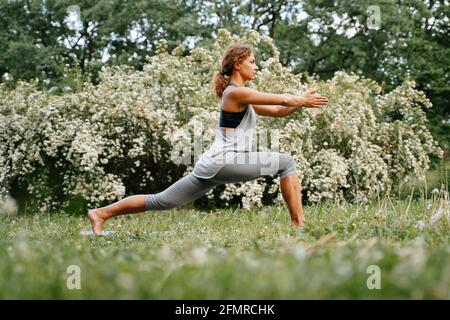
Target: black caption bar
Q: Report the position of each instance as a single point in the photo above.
(217, 309)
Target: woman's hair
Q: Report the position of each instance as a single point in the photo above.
(234, 53)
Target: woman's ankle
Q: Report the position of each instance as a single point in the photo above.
(101, 213)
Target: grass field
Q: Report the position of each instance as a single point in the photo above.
(234, 254)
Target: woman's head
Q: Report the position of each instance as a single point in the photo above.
(238, 61)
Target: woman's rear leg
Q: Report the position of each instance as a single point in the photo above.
(131, 204)
(185, 190)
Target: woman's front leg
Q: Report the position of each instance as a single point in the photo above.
(290, 189)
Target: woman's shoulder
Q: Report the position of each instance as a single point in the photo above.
(232, 106)
(228, 89)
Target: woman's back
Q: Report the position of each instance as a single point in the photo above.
(231, 113)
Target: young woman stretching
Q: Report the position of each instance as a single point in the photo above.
(229, 159)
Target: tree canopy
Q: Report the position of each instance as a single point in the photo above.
(314, 37)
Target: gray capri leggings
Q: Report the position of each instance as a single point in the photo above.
(248, 166)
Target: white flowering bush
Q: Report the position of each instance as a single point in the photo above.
(363, 142)
(329, 175)
(129, 134)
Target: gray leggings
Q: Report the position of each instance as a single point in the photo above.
(248, 166)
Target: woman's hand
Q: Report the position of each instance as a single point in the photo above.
(309, 100)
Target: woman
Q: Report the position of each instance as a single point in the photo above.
(223, 162)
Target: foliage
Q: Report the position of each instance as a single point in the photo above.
(124, 135)
(316, 37)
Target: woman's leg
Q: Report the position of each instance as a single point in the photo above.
(131, 204)
(291, 191)
(185, 190)
(253, 165)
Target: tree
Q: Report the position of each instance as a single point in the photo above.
(322, 37)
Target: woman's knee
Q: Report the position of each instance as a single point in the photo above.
(287, 166)
(181, 192)
(156, 202)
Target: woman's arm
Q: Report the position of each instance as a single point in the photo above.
(243, 95)
(284, 111)
(309, 100)
(276, 111)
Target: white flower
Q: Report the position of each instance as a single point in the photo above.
(436, 216)
(8, 206)
(198, 255)
(299, 252)
(420, 224)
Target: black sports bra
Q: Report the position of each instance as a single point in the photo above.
(231, 119)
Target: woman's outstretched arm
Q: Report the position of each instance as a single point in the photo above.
(309, 100)
(276, 111)
(243, 95)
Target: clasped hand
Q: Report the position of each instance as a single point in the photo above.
(309, 100)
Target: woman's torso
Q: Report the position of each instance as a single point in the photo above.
(227, 141)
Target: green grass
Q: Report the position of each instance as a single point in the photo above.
(235, 254)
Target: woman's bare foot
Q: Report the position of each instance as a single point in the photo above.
(97, 220)
(298, 222)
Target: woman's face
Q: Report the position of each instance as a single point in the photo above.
(248, 68)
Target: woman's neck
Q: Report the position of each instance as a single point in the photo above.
(237, 82)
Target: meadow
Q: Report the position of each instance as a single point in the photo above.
(186, 253)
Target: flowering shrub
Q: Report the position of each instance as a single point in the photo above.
(130, 133)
